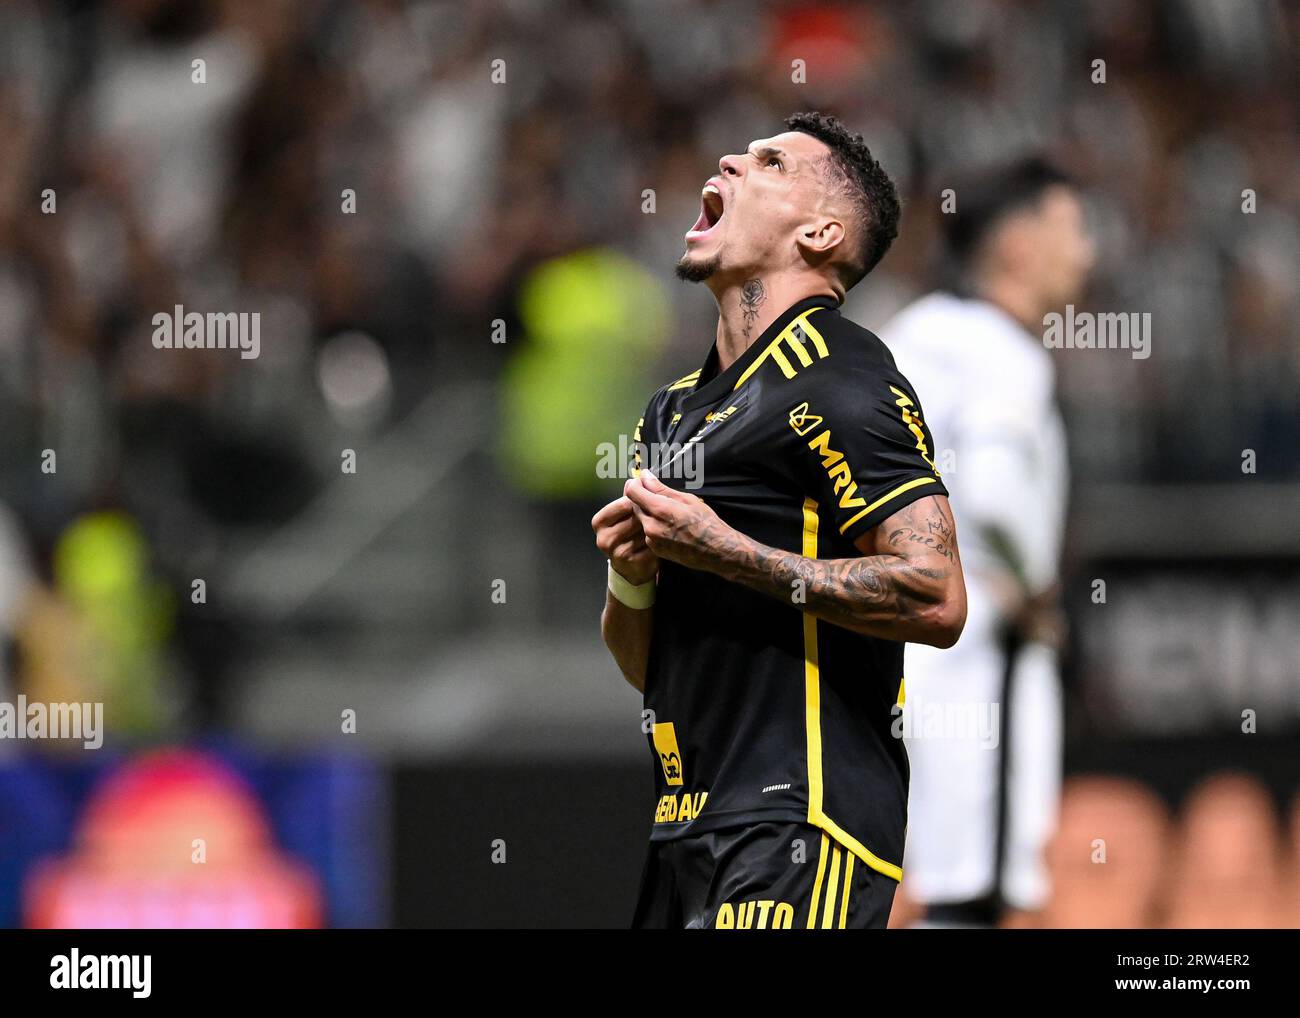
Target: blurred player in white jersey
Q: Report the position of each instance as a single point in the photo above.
(984, 717)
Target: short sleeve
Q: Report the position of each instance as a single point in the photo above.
(869, 452)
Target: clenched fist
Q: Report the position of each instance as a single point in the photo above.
(620, 538)
(678, 526)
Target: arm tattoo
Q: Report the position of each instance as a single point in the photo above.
(895, 595)
(752, 295)
(937, 535)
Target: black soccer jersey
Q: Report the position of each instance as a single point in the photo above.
(762, 712)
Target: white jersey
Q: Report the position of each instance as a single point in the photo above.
(984, 732)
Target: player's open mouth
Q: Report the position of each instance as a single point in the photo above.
(711, 212)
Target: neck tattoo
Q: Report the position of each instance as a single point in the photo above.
(752, 296)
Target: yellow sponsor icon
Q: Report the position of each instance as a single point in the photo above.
(669, 755)
(802, 421)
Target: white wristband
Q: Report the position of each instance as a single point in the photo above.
(634, 595)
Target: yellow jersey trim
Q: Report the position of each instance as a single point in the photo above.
(788, 338)
(832, 885)
(813, 719)
(687, 382)
(885, 498)
(817, 884)
(849, 859)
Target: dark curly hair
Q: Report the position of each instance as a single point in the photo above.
(864, 180)
(987, 196)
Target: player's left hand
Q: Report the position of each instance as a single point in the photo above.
(678, 526)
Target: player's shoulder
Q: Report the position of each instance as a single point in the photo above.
(847, 358)
(675, 390)
(664, 402)
(678, 387)
(848, 339)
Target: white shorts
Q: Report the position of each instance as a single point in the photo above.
(984, 744)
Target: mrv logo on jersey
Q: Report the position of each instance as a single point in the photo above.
(681, 460)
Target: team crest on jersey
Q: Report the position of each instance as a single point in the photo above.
(670, 757)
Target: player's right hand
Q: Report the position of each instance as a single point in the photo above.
(620, 538)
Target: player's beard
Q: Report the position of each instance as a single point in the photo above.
(689, 270)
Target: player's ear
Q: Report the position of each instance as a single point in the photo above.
(819, 239)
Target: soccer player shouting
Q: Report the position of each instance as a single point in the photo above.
(763, 614)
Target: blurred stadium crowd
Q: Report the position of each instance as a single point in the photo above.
(524, 171)
(1221, 862)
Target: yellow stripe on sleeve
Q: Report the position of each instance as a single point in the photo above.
(818, 343)
(885, 498)
(797, 348)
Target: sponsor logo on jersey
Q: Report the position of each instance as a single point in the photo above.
(833, 462)
(674, 809)
(802, 421)
(712, 420)
(912, 419)
(670, 757)
(764, 914)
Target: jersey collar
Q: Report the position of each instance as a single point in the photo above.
(715, 386)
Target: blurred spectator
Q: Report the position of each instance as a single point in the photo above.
(100, 634)
(1108, 857)
(16, 587)
(1227, 871)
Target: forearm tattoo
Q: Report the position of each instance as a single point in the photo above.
(893, 594)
